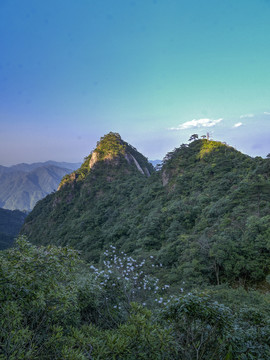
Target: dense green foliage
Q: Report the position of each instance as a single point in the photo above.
(179, 260)
(10, 224)
(55, 306)
(205, 215)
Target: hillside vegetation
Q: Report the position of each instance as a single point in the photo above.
(10, 224)
(205, 215)
(54, 306)
(172, 264)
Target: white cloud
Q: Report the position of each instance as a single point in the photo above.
(246, 116)
(267, 113)
(197, 124)
(237, 125)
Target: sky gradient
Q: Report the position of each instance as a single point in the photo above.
(156, 71)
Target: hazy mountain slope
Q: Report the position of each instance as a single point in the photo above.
(22, 185)
(205, 215)
(10, 224)
(30, 167)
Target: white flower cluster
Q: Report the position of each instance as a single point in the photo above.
(128, 277)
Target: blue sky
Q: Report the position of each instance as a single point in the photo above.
(156, 71)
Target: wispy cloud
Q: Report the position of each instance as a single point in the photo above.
(197, 124)
(237, 125)
(246, 116)
(267, 113)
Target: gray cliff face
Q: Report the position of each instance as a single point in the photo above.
(138, 166)
(131, 159)
(93, 160)
(165, 178)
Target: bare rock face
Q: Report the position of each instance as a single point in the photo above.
(146, 172)
(165, 178)
(138, 166)
(130, 158)
(93, 160)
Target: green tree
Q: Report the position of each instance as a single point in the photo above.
(38, 291)
(199, 326)
(193, 137)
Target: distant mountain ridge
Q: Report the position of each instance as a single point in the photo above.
(22, 185)
(25, 167)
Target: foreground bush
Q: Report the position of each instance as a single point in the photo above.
(54, 306)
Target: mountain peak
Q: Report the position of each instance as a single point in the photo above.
(113, 151)
(206, 157)
(110, 147)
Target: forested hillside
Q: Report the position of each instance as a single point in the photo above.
(179, 260)
(10, 224)
(205, 216)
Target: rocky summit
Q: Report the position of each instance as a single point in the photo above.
(111, 151)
